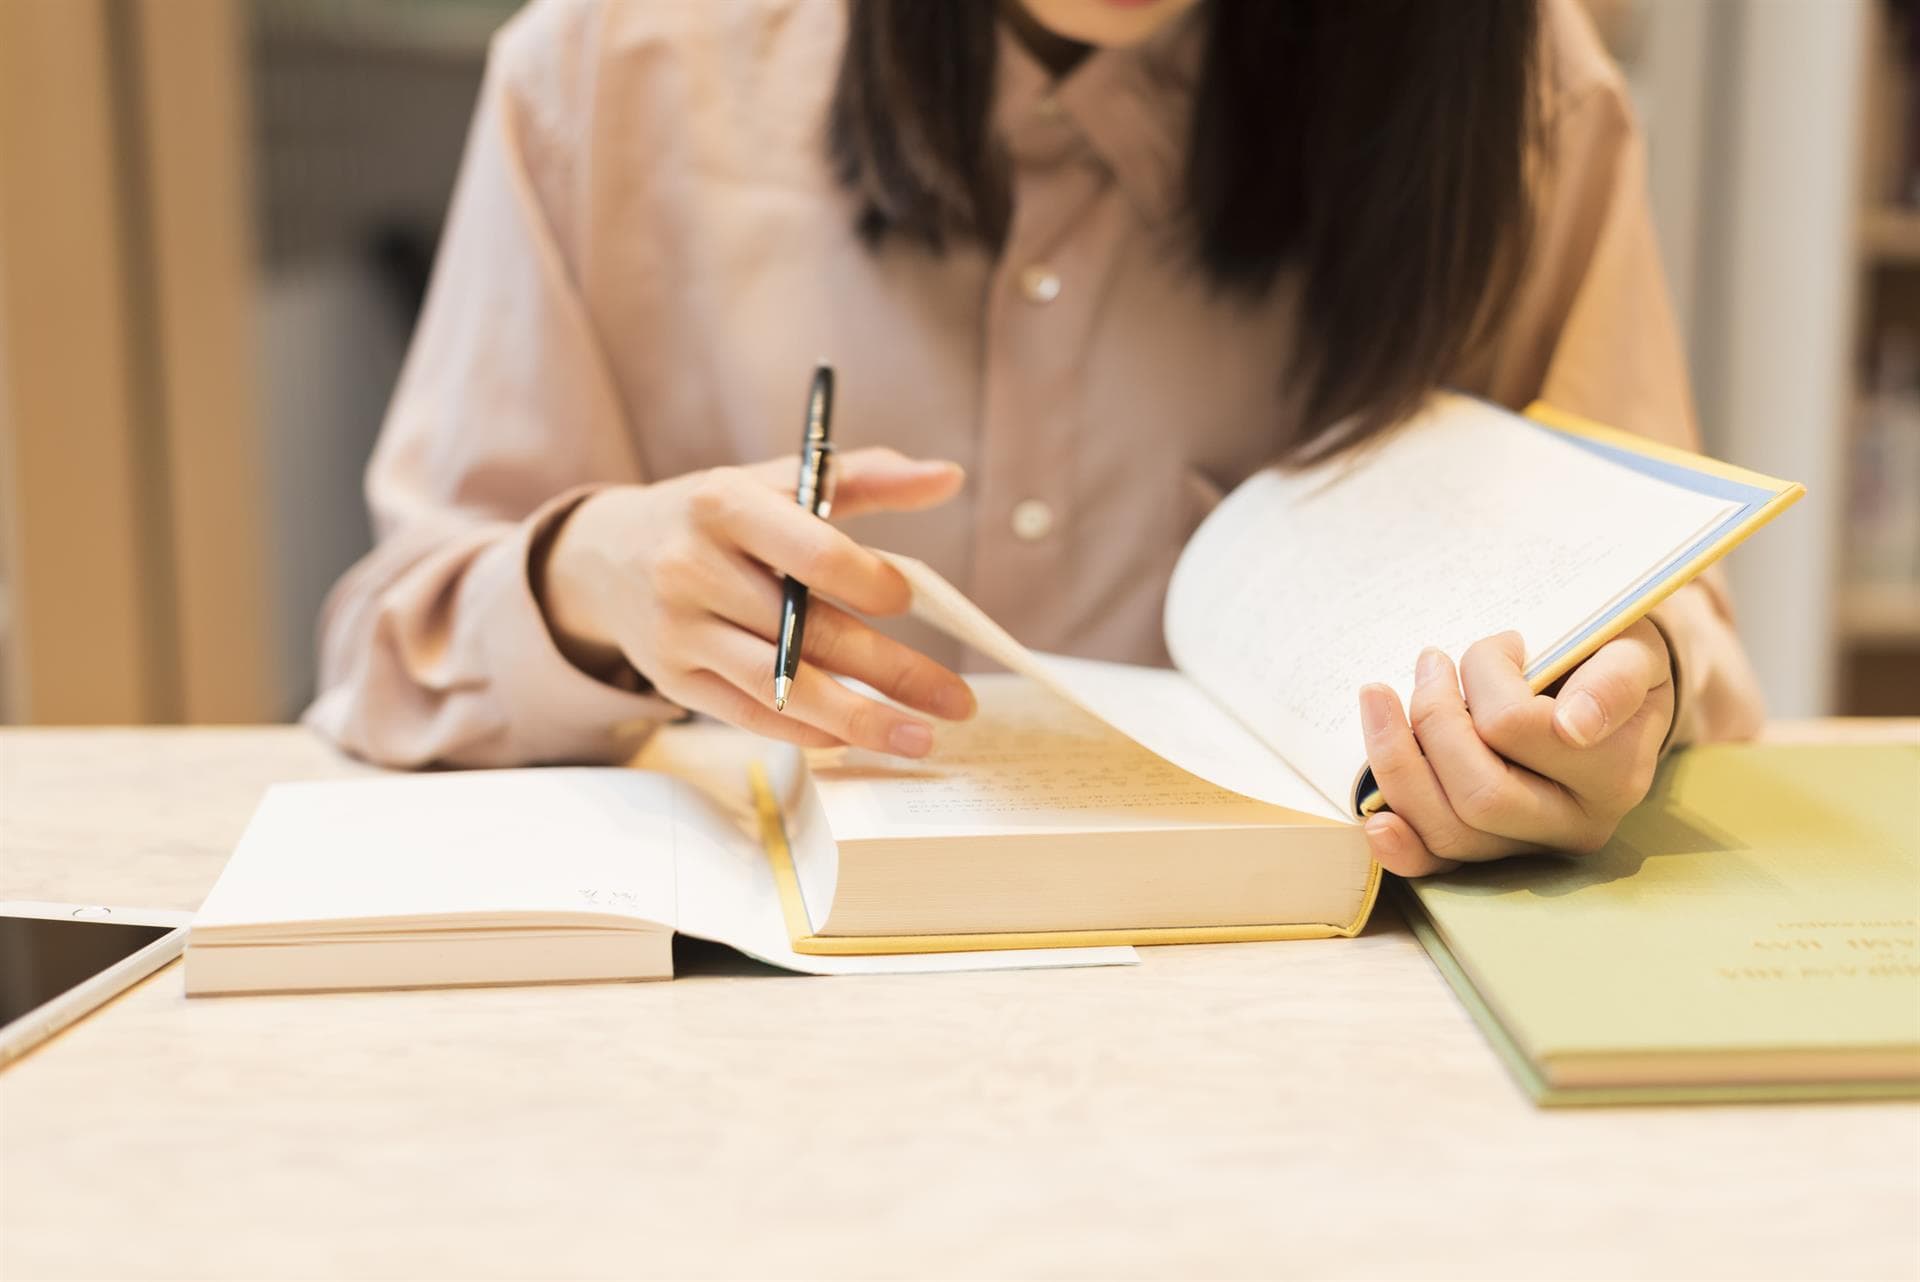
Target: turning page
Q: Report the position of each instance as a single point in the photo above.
(1467, 521)
(1301, 587)
(1159, 709)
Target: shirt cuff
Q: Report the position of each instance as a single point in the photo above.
(1677, 668)
(553, 711)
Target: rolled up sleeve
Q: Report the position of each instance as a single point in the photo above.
(434, 649)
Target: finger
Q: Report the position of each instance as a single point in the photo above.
(816, 698)
(1398, 848)
(1487, 792)
(1411, 788)
(731, 505)
(878, 479)
(1605, 780)
(874, 479)
(718, 698)
(1507, 715)
(749, 597)
(837, 642)
(1606, 691)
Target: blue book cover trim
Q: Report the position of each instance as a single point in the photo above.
(1750, 497)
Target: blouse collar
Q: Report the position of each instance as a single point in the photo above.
(1132, 107)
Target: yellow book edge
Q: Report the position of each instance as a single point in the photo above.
(1530, 1079)
(1785, 495)
(773, 835)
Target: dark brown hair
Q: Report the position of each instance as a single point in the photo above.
(1377, 146)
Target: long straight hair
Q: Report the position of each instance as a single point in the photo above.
(1377, 148)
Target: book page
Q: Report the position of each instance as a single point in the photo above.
(726, 888)
(728, 895)
(569, 845)
(1302, 587)
(1160, 709)
(1028, 762)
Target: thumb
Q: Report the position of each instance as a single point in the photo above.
(1604, 692)
(879, 479)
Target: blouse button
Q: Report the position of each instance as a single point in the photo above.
(1039, 284)
(1032, 520)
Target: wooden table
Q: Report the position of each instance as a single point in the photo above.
(1305, 1109)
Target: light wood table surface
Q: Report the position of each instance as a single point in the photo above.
(1250, 1110)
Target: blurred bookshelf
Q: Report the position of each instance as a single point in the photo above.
(1878, 601)
(1891, 234)
(1875, 613)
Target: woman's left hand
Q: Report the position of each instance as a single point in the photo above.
(1487, 768)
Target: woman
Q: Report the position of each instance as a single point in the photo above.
(1108, 256)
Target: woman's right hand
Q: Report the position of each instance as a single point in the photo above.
(682, 579)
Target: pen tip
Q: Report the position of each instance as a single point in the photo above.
(780, 687)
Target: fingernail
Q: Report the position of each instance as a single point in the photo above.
(954, 702)
(1580, 717)
(1376, 708)
(910, 739)
(1380, 835)
(1427, 667)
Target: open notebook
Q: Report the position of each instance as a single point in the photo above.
(1303, 586)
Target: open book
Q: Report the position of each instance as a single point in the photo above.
(1303, 586)
(1096, 802)
(1035, 824)
(517, 877)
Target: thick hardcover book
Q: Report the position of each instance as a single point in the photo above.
(1234, 781)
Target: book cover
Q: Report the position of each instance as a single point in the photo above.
(1751, 932)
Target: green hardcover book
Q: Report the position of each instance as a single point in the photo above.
(1752, 932)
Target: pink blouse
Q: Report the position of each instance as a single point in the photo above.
(646, 254)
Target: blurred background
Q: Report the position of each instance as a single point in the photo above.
(217, 219)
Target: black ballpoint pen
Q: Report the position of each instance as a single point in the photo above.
(814, 493)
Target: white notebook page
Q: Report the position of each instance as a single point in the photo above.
(458, 848)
